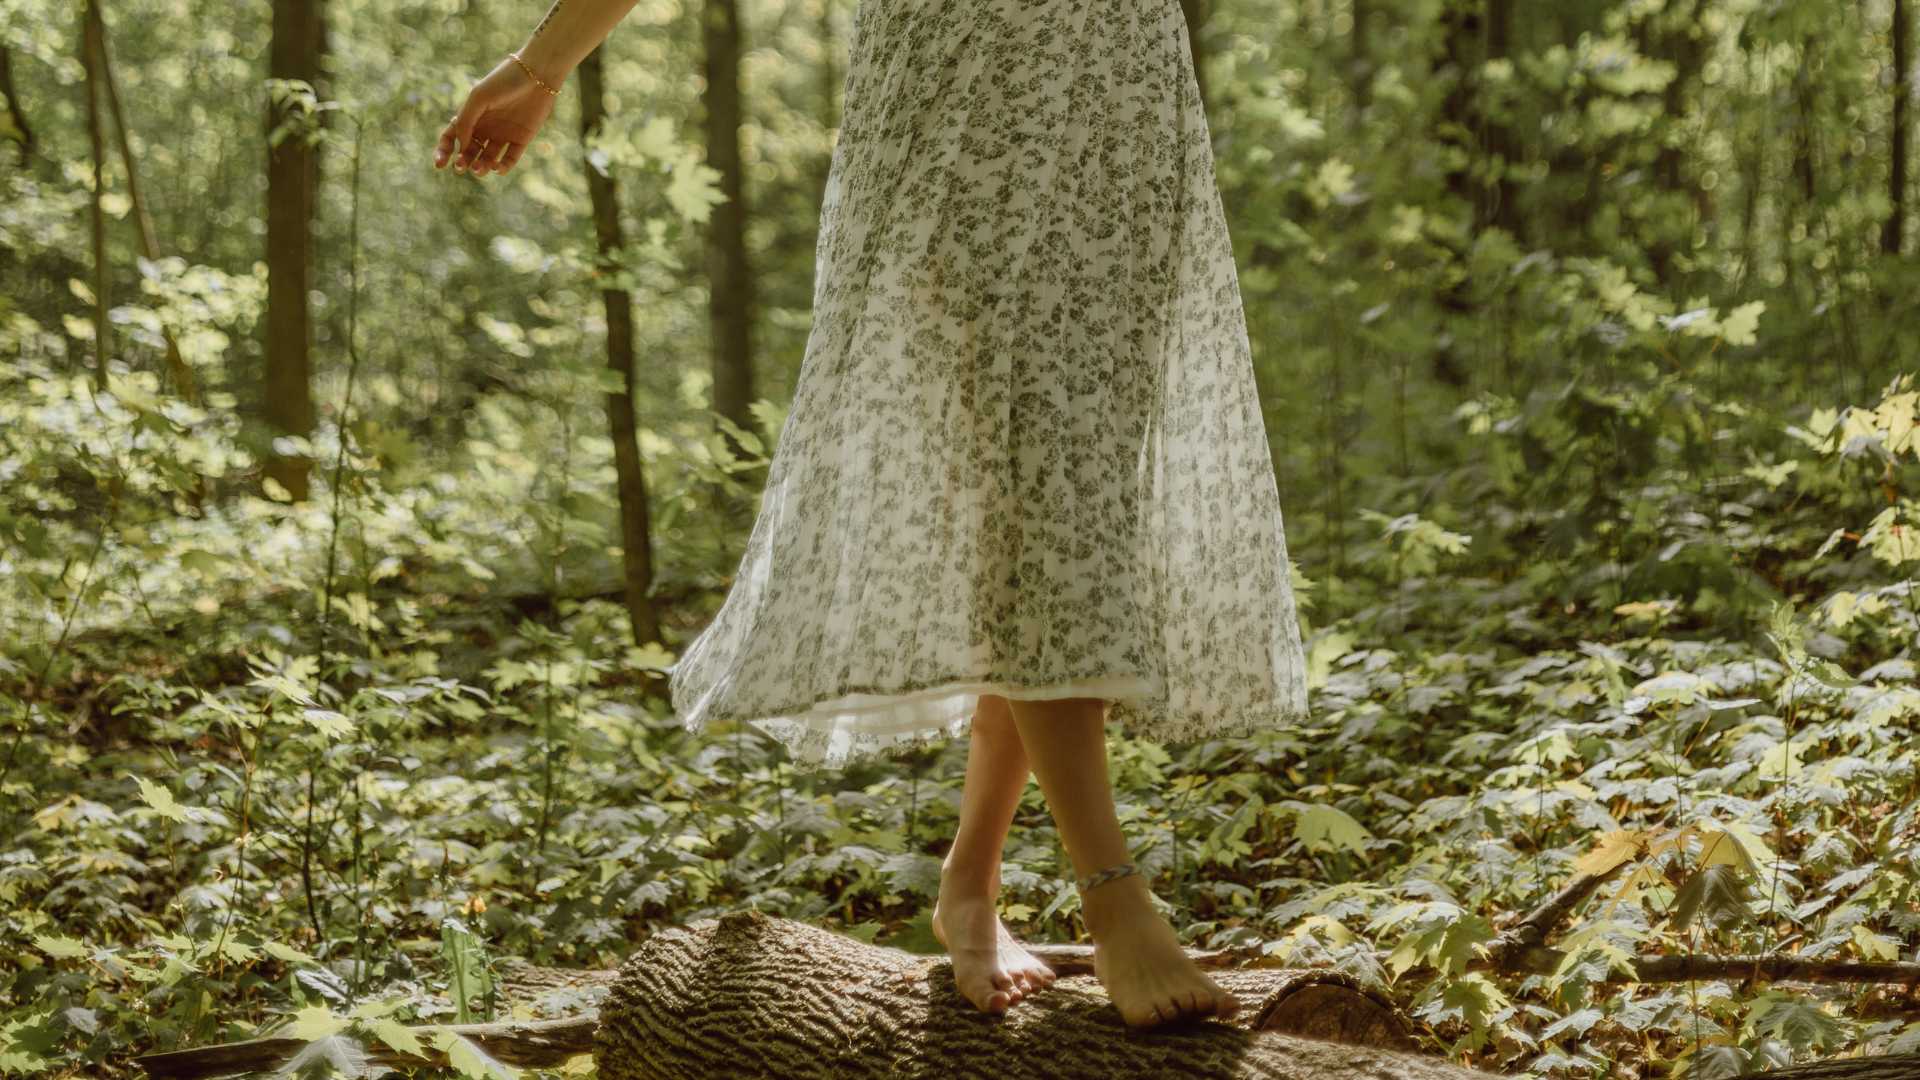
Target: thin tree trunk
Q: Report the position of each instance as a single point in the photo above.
(1891, 232)
(1500, 143)
(1361, 64)
(90, 62)
(23, 138)
(636, 546)
(291, 176)
(730, 308)
(177, 369)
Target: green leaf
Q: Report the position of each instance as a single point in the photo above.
(1328, 828)
(1475, 999)
(693, 191)
(1718, 891)
(285, 952)
(1803, 1022)
(160, 799)
(60, 948)
(1740, 325)
(327, 722)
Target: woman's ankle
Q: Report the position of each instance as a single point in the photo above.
(1118, 904)
(970, 878)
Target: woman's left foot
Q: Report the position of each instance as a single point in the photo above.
(990, 968)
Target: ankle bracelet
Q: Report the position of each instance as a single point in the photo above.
(1111, 873)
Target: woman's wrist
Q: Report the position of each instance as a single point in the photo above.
(551, 86)
(541, 65)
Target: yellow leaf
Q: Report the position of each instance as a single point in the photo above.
(1875, 946)
(399, 1036)
(316, 1022)
(1614, 847)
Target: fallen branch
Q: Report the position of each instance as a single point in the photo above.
(526, 1043)
(1884, 1067)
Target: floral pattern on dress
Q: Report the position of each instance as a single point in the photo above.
(1025, 453)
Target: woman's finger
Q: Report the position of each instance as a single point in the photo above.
(456, 140)
(475, 155)
(514, 150)
(490, 157)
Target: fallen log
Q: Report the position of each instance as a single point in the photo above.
(751, 996)
(527, 1042)
(1316, 1004)
(1881, 1067)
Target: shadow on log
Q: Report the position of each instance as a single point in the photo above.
(749, 995)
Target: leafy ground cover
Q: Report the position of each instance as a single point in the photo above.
(326, 762)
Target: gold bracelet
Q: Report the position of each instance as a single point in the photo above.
(531, 75)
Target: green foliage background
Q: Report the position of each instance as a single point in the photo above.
(1582, 358)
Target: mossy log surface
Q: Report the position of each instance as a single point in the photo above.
(751, 996)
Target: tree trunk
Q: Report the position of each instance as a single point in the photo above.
(635, 542)
(1361, 63)
(291, 180)
(96, 139)
(16, 113)
(1890, 233)
(730, 307)
(749, 995)
(1500, 197)
(177, 369)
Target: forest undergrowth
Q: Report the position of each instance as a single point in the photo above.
(317, 763)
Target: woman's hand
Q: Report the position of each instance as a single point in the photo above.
(502, 114)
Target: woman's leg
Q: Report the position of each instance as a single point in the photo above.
(1136, 953)
(990, 968)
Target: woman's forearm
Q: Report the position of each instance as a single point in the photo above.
(571, 30)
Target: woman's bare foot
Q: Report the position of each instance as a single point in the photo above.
(1138, 958)
(989, 966)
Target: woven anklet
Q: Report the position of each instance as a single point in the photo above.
(1111, 873)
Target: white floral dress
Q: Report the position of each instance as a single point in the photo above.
(1025, 455)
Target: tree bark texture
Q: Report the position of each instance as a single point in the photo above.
(291, 180)
(753, 996)
(1902, 124)
(730, 307)
(635, 543)
(96, 139)
(22, 133)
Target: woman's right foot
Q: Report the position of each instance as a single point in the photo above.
(1136, 955)
(990, 969)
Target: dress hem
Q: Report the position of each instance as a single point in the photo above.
(873, 724)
